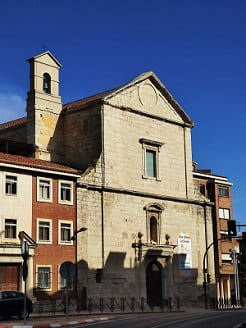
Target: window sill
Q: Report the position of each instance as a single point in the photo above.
(151, 178)
(11, 195)
(40, 289)
(11, 240)
(62, 202)
(44, 200)
(43, 242)
(66, 243)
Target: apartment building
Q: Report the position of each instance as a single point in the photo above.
(218, 189)
(38, 205)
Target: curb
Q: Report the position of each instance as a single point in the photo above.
(64, 324)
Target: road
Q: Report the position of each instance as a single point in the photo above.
(225, 319)
(192, 319)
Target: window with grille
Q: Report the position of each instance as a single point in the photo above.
(10, 185)
(44, 231)
(10, 228)
(44, 277)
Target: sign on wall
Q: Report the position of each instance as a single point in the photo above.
(184, 251)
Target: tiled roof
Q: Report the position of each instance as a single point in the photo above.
(35, 163)
(13, 123)
(86, 101)
(69, 106)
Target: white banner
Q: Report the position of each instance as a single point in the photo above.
(184, 251)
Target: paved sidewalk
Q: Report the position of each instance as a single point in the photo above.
(57, 321)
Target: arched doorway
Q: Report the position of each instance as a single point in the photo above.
(154, 283)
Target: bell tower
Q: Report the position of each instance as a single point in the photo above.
(44, 127)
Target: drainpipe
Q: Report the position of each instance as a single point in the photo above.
(102, 182)
(185, 164)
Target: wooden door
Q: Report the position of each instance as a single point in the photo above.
(9, 276)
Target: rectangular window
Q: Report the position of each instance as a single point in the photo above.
(202, 189)
(44, 277)
(226, 258)
(223, 191)
(223, 234)
(44, 190)
(224, 213)
(65, 192)
(150, 158)
(10, 185)
(44, 231)
(151, 163)
(10, 228)
(66, 229)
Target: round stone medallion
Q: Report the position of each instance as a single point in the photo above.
(147, 95)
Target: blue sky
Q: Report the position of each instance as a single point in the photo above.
(197, 48)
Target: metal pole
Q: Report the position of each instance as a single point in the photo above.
(235, 275)
(25, 303)
(205, 271)
(66, 300)
(237, 279)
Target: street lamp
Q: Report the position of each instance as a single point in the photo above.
(76, 232)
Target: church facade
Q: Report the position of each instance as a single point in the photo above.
(147, 224)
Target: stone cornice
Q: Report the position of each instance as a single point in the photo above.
(142, 194)
(142, 113)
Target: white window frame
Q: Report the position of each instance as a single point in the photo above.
(226, 258)
(50, 231)
(223, 235)
(223, 188)
(153, 146)
(64, 242)
(224, 213)
(5, 182)
(4, 222)
(59, 281)
(39, 198)
(61, 201)
(43, 288)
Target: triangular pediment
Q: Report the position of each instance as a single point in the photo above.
(46, 58)
(147, 94)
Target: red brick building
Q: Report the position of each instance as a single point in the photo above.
(219, 191)
(41, 201)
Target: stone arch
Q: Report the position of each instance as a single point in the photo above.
(154, 283)
(46, 83)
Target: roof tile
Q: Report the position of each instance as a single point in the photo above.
(35, 163)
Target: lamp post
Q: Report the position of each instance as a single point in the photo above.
(25, 255)
(206, 278)
(76, 232)
(234, 257)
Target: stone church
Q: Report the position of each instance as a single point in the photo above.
(147, 225)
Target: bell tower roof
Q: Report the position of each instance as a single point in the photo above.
(46, 54)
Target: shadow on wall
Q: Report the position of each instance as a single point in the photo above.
(155, 280)
(76, 141)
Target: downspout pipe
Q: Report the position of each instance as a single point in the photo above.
(102, 182)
